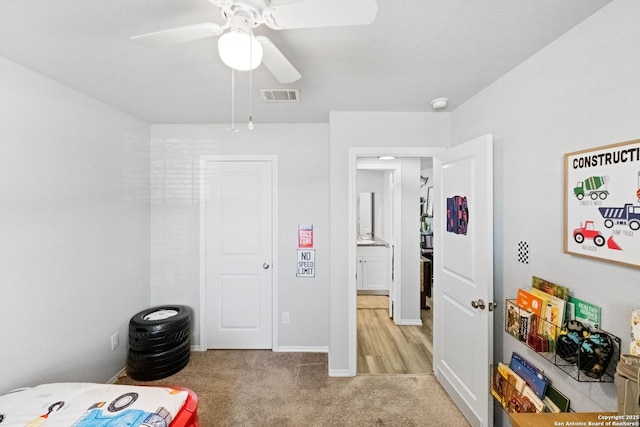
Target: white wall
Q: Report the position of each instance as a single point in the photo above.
(364, 129)
(74, 231)
(582, 91)
(303, 198)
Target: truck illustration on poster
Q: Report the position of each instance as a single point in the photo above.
(602, 203)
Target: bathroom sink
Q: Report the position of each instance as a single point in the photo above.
(371, 242)
(366, 242)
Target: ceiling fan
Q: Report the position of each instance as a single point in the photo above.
(241, 50)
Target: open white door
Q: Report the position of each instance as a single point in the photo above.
(463, 276)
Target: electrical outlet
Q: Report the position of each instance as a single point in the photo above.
(115, 340)
(285, 317)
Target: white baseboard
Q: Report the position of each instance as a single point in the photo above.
(118, 375)
(340, 373)
(284, 349)
(305, 349)
(409, 322)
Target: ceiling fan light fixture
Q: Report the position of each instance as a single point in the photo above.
(239, 50)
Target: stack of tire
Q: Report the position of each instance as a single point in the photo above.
(159, 342)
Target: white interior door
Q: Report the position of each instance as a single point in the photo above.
(463, 282)
(391, 278)
(390, 211)
(239, 212)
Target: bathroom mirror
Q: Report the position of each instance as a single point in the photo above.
(429, 210)
(365, 215)
(369, 215)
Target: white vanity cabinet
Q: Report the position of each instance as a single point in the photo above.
(373, 272)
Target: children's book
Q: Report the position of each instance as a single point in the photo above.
(527, 325)
(553, 314)
(550, 288)
(570, 311)
(535, 400)
(555, 401)
(530, 374)
(512, 319)
(529, 302)
(505, 383)
(586, 313)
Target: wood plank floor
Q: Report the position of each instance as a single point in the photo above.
(386, 348)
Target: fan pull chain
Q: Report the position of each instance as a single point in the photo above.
(250, 125)
(233, 97)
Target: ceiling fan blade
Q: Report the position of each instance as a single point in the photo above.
(276, 62)
(178, 35)
(321, 13)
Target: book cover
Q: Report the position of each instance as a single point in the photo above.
(570, 311)
(529, 302)
(553, 314)
(518, 383)
(544, 297)
(527, 325)
(512, 319)
(500, 387)
(505, 384)
(535, 400)
(539, 343)
(550, 406)
(550, 288)
(587, 314)
(530, 374)
(555, 401)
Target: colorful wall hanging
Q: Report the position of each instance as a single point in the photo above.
(457, 214)
(602, 203)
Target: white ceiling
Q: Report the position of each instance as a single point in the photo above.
(416, 50)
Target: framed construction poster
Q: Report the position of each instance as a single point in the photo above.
(602, 203)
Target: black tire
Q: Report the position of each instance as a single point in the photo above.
(145, 366)
(159, 328)
(158, 341)
(158, 373)
(152, 320)
(163, 329)
(579, 238)
(138, 359)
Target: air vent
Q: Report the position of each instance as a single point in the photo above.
(280, 95)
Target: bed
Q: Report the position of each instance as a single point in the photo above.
(99, 405)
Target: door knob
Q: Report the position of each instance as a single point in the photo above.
(265, 265)
(478, 304)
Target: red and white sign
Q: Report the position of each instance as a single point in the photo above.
(305, 236)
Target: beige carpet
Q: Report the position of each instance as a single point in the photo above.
(262, 388)
(373, 301)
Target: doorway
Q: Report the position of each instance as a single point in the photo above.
(385, 348)
(405, 291)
